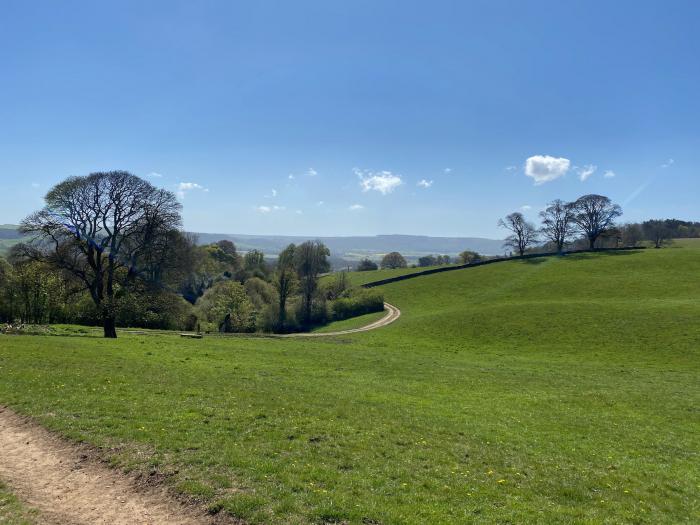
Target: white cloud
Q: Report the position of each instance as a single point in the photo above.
(154, 175)
(447, 170)
(609, 174)
(543, 168)
(425, 183)
(272, 195)
(184, 187)
(382, 181)
(320, 203)
(291, 177)
(35, 184)
(356, 207)
(299, 212)
(585, 172)
(311, 172)
(668, 163)
(526, 207)
(268, 209)
(511, 168)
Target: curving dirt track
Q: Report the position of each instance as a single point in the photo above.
(67, 487)
(392, 314)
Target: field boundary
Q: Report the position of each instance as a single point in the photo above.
(390, 280)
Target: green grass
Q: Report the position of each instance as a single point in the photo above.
(353, 322)
(555, 390)
(12, 512)
(359, 278)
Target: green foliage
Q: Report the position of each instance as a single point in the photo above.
(366, 265)
(359, 302)
(226, 300)
(468, 257)
(553, 390)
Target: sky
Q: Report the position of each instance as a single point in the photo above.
(357, 117)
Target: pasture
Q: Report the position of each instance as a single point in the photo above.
(548, 390)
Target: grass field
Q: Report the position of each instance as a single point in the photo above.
(553, 390)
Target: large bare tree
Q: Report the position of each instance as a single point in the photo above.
(100, 228)
(523, 233)
(557, 223)
(594, 214)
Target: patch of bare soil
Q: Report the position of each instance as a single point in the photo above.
(70, 487)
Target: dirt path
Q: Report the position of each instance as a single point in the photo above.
(67, 487)
(392, 314)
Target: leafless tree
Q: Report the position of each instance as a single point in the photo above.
(523, 234)
(100, 228)
(557, 223)
(594, 214)
(311, 260)
(285, 281)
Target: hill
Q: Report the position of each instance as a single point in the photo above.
(344, 249)
(549, 390)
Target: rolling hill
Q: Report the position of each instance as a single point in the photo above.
(561, 389)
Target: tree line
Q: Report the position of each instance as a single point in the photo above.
(108, 249)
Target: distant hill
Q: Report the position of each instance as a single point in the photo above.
(356, 247)
(345, 248)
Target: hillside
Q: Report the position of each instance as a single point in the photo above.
(549, 390)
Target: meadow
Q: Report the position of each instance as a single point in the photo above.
(551, 390)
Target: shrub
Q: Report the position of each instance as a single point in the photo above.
(367, 265)
(357, 302)
(393, 260)
(227, 307)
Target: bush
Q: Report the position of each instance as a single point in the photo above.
(357, 302)
(226, 307)
(393, 260)
(367, 265)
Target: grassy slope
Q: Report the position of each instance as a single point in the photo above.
(543, 391)
(358, 278)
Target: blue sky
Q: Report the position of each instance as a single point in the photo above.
(323, 118)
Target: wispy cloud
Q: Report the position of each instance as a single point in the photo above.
(526, 207)
(290, 176)
(544, 168)
(447, 171)
(384, 182)
(311, 172)
(320, 203)
(269, 209)
(668, 163)
(585, 172)
(184, 187)
(425, 183)
(154, 175)
(35, 184)
(511, 168)
(609, 174)
(356, 207)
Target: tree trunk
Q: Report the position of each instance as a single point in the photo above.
(591, 243)
(110, 327)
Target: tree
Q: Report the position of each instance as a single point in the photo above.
(285, 281)
(98, 228)
(657, 232)
(428, 260)
(227, 308)
(632, 234)
(393, 260)
(523, 233)
(254, 264)
(444, 259)
(593, 214)
(557, 223)
(311, 260)
(366, 265)
(468, 257)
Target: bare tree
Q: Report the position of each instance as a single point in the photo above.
(99, 228)
(657, 232)
(393, 260)
(285, 281)
(593, 214)
(523, 234)
(311, 260)
(557, 223)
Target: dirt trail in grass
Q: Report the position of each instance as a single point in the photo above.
(68, 487)
(392, 315)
